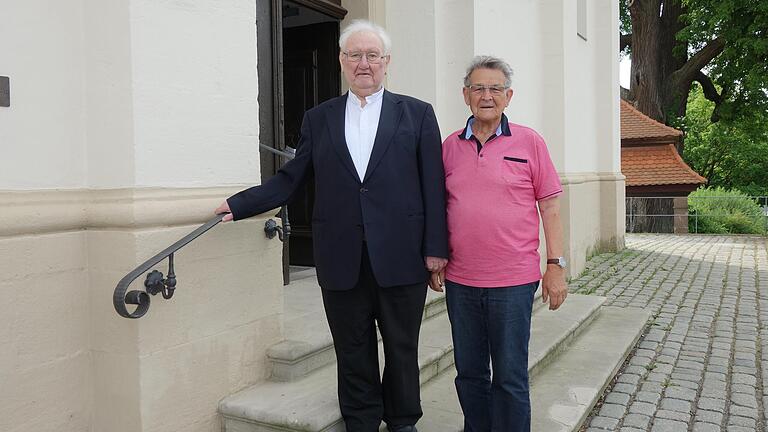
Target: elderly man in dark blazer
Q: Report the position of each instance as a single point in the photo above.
(378, 227)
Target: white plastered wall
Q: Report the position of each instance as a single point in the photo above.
(129, 122)
(454, 45)
(594, 184)
(128, 93)
(42, 134)
(194, 93)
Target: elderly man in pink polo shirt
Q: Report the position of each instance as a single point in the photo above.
(496, 174)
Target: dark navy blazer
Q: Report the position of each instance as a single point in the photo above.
(398, 208)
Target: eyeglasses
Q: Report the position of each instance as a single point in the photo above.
(479, 89)
(357, 57)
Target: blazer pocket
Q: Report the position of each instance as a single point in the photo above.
(514, 159)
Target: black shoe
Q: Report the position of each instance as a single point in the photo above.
(402, 428)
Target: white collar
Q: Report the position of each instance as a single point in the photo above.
(368, 99)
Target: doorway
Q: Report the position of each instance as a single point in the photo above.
(311, 76)
(299, 41)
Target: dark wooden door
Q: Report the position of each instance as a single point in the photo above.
(311, 75)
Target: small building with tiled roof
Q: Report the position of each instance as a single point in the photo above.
(638, 128)
(657, 170)
(649, 158)
(658, 180)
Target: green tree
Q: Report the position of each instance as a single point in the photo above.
(732, 153)
(721, 44)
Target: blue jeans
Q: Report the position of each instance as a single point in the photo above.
(492, 326)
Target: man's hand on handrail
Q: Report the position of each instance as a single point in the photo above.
(224, 208)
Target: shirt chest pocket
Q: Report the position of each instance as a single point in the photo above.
(516, 172)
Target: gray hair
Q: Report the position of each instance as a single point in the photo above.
(358, 26)
(489, 62)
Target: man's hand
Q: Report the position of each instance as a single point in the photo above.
(224, 208)
(553, 287)
(436, 280)
(435, 264)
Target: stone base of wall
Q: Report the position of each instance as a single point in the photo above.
(69, 362)
(592, 211)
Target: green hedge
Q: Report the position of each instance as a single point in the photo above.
(721, 211)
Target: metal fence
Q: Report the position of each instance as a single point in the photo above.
(678, 214)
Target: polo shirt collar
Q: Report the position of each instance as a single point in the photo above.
(503, 128)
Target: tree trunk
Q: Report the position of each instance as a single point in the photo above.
(662, 73)
(655, 59)
(674, 57)
(645, 77)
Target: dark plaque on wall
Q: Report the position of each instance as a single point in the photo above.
(5, 92)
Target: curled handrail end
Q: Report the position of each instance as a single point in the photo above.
(122, 297)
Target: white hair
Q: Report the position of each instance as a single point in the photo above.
(360, 25)
(489, 62)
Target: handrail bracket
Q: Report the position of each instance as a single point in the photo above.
(155, 284)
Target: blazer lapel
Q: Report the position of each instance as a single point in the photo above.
(389, 120)
(335, 120)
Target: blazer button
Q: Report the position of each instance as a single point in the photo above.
(363, 190)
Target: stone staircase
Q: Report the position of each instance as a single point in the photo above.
(574, 352)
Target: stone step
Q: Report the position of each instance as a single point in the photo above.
(308, 345)
(562, 393)
(552, 331)
(310, 403)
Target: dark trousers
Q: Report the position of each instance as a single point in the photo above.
(366, 399)
(492, 326)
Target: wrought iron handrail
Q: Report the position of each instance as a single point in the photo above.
(284, 154)
(155, 283)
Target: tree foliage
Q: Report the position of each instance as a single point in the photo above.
(721, 44)
(731, 153)
(702, 65)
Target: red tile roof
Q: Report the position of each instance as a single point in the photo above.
(636, 126)
(656, 165)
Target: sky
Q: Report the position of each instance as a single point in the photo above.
(624, 67)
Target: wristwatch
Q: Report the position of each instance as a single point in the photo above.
(559, 261)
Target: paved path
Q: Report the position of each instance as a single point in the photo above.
(702, 364)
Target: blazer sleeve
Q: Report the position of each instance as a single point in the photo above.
(278, 189)
(433, 186)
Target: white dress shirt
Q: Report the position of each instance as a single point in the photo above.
(360, 126)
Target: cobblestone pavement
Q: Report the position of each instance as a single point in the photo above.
(702, 363)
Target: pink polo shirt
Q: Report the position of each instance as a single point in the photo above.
(493, 220)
